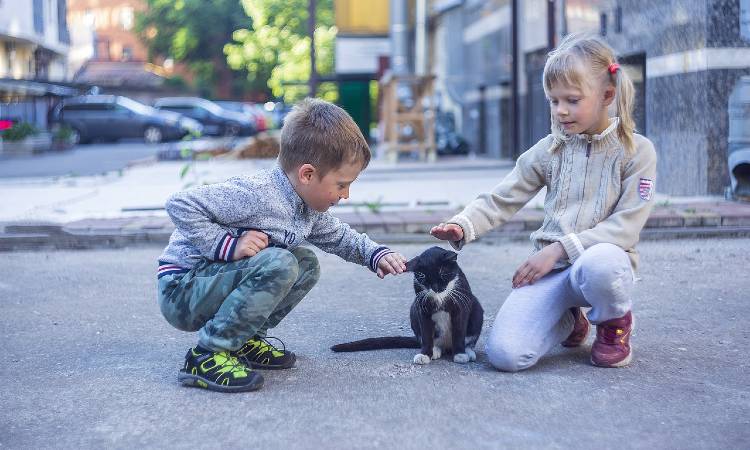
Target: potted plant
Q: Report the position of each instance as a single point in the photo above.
(62, 138)
(16, 139)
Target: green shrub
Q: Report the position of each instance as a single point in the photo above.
(19, 132)
(63, 134)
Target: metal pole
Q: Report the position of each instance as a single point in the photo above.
(421, 41)
(399, 30)
(313, 83)
(551, 32)
(515, 98)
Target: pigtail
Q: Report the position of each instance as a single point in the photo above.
(624, 101)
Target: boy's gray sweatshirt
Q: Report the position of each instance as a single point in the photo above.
(209, 219)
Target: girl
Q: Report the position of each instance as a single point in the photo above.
(599, 176)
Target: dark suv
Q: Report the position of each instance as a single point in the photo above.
(113, 117)
(216, 120)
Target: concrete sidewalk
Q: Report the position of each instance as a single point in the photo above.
(405, 199)
(686, 220)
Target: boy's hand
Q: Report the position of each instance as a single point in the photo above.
(448, 232)
(538, 265)
(393, 263)
(249, 244)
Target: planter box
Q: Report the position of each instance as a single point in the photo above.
(29, 146)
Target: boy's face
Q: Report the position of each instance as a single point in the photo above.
(579, 111)
(320, 194)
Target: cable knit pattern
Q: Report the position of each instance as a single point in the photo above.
(595, 193)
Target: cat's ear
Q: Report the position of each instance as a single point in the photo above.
(411, 263)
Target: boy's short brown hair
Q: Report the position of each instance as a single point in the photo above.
(322, 134)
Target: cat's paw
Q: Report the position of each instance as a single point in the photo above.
(436, 353)
(461, 358)
(421, 359)
(472, 354)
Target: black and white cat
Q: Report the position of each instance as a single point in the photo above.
(446, 317)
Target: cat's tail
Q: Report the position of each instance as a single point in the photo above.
(378, 343)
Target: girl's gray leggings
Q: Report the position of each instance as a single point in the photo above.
(536, 318)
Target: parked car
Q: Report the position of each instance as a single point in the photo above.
(277, 111)
(254, 113)
(113, 117)
(216, 120)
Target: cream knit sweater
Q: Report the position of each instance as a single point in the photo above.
(596, 192)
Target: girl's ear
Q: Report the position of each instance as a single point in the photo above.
(411, 263)
(609, 95)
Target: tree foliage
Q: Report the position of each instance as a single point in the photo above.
(193, 32)
(276, 49)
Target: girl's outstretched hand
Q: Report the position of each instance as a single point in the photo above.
(448, 232)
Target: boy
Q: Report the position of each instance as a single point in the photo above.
(233, 267)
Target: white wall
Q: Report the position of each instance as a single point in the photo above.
(17, 25)
(17, 19)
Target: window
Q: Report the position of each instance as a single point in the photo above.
(126, 17)
(87, 107)
(39, 16)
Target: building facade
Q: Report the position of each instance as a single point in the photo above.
(361, 55)
(34, 45)
(685, 57)
(102, 30)
(34, 39)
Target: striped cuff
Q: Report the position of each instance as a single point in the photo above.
(572, 246)
(377, 255)
(468, 229)
(225, 249)
(166, 268)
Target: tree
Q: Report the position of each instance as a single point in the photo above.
(276, 49)
(195, 32)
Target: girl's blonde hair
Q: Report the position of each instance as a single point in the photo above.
(583, 62)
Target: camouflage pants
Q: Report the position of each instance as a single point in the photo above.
(228, 303)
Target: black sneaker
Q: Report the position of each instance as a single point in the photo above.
(218, 371)
(258, 353)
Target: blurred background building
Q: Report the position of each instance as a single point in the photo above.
(362, 51)
(685, 56)
(34, 45)
(106, 51)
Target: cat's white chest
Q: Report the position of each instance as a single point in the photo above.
(443, 330)
(439, 297)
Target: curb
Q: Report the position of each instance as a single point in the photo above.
(700, 220)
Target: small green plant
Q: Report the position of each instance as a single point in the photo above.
(63, 134)
(664, 203)
(19, 132)
(376, 206)
(690, 210)
(189, 167)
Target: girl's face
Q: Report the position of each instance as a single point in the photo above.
(578, 111)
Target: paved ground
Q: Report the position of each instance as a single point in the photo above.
(89, 160)
(93, 159)
(89, 363)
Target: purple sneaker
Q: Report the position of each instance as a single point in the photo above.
(580, 329)
(612, 345)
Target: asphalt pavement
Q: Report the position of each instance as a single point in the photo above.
(88, 362)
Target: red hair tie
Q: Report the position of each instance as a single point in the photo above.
(613, 68)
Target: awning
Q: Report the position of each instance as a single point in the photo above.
(35, 88)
